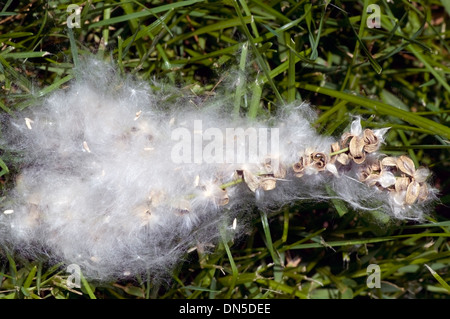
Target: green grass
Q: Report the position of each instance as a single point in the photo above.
(320, 51)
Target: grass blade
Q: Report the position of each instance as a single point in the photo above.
(383, 108)
(240, 88)
(262, 63)
(74, 48)
(234, 269)
(438, 278)
(25, 55)
(144, 13)
(87, 287)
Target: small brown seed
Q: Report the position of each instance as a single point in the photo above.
(182, 206)
(143, 212)
(28, 123)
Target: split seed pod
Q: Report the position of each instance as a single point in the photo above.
(219, 195)
(423, 193)
(388, 162)
(319, 160)
(268, 183)
(371, 141)
(406, 165)
(249, 178)
(274, 167)
(299, 168)
(401, 184)
(412, 193)
(356, 148)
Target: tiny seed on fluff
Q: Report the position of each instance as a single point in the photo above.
(138, 114)
(86, 147)
(132, 207)
(28, 123)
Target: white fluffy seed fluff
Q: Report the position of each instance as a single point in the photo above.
(98, 185)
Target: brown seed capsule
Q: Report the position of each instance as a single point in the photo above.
(251, 180)
(343, 158)
(401, 184)
(306, 159)
(356, 148)
(406, 165)
(317, 157)
(275, 167)
(344, 139)
(421, 174)
(412, 193)
(423, 192)
(280, 172)
(221, 199)
(371, 179)
(298, 168)
(218, 195)
(268, 183)
(335, 147)
(375, 166)
(371, 141)
(319, 160)
(388, 162)
(365, 171)
(267, 163)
